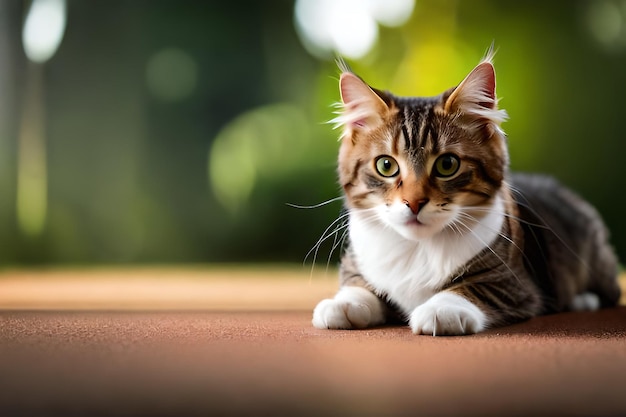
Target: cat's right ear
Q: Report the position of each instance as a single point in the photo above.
(362, 108)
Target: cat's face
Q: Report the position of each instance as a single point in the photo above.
(422, 165)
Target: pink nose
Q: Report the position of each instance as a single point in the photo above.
(415, 205)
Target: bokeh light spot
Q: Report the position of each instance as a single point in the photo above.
(605, 21)
(352, 29)
(171, 74)
(43, 29)
(391, 13)
(347, 27)
(264, 143)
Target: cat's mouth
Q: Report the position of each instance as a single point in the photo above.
(413, 221)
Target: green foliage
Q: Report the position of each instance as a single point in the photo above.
(198, 165)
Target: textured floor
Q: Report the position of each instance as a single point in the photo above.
(165, 361)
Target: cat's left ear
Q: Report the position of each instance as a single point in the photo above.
(476, 96)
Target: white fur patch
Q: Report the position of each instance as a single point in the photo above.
(447, 314)
(586, 301)
(352, 308)
(410, 271)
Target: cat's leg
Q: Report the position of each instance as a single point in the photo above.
(353, 307)
(447, 314)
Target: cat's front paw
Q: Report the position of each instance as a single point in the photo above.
(352, 308)
(447, 314)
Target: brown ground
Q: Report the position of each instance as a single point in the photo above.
(239, 342)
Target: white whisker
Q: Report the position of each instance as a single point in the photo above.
(485, 244)
(519, 219)
(327, 234)
(337, 231)
(323, 203)
(526, 204)
(502, 235)
(338, 242)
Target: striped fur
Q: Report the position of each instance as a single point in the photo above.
(440, 232)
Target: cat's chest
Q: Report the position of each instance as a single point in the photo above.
(400, 269)
(407, 272)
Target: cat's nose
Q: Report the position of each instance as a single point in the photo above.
(416, 205)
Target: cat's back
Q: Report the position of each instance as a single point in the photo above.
(566, 243)
(544, 200)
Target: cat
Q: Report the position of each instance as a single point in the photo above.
(440, 234)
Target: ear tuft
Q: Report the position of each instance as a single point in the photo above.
(360, 108)
(476, 95)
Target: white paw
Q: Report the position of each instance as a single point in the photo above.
(586, 301)
(446, 313)
(352, 308)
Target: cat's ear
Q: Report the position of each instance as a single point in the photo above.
(362, 109)
(476, 96)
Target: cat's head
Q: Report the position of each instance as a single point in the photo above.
(418, 165)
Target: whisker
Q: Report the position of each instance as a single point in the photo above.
(325, 235)
(490, 248)
(331, 231)
(455, 229)
(528, 206)
(338, 231)
(519, 219)
(505, 237)
(338, 242)
(323, 203)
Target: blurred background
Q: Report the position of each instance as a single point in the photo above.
(152, 131)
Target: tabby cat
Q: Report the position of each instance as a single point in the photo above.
(441, 235)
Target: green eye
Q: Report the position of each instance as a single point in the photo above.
(446, 165)
(387, 166)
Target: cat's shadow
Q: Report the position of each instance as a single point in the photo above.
(604, 323)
